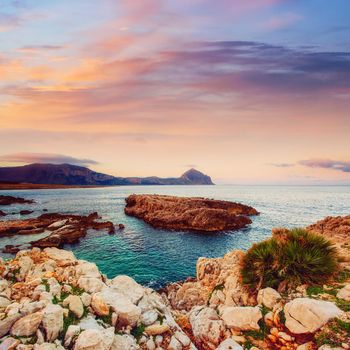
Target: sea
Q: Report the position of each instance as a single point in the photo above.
(156, 257)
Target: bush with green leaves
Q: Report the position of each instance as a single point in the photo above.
(289, 258)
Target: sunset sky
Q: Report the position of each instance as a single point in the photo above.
(254, 91)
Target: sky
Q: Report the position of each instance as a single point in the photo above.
(249, 92)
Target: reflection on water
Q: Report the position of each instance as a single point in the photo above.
(156, 257)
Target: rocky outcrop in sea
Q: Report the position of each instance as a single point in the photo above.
(189, 214)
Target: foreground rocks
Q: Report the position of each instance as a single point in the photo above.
(61, 229)
(189, 214)
(47, 307)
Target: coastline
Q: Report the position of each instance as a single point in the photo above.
(29, 186)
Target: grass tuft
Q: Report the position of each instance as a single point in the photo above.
(289, 258)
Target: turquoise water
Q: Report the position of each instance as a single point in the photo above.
(156, 257)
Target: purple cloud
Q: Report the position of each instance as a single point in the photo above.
(282, 165)
(327, 164)
(44, 158)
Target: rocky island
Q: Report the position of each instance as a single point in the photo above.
(189, 214)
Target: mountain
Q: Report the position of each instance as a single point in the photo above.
(68, 174)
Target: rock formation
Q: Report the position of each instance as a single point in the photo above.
(196, 214)
(61, 228)
(52, 301)
(8, 200)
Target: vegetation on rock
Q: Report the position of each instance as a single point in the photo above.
(289, 258)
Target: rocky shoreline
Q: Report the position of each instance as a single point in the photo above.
(49, 300)
(60, 228)
(189, 214)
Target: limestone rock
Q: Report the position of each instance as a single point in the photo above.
(304, 315)
(6, 323)
(75, 305)
(268, 297)
(52, 321)
(90, 284)
(149, 317)
(229, 344)
(207, 326)
(124, 342)
(344, 293)
(93, 339)
(157, 329)
(128, 287)
(27, 325)
(241, 318)
(9, 344)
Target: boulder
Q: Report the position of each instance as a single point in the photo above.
(149, 317)
(305, 315)
(124, 342)
(93, 339)
(207, 327)
(128, 287)
(268, 297)
(6, 323)
(157, 329)
(241, 318)
(75, 305)
(27, 325)
(60, 255)
(9, 344)
(52, 321)
(71, 333)
(229, 344)
(344, 293)
(90, 284)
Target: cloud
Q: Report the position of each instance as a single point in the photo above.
(44, 158)
(282, 21)
(282, 165)
(327, 164)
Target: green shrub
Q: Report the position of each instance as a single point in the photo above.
(288, 259)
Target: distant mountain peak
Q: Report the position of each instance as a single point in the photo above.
(196, 177)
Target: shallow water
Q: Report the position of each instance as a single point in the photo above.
(156, 257)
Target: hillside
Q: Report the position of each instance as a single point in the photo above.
(68, 174)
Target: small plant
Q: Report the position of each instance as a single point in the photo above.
(108, 318)
(160, 319)
(46, 284)
(343, 304)
(259, 334)
(137, 331)
(289, 258)
(334, 334)
(282, 317)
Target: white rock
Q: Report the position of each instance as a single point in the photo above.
(57, 224)
(6, 323)
(90, 322)
(86, 299)
(90, 284)
(27, 325)
(75, 305)
(9, 344)
(305, 315)
(60, 255)
(344, 293)
(52, 321)
(72, 332)
(306, 346)
(4, 302)
(87, 269)
(241, 318)
(150, 344)
(174, 344)
(25, 263)
(124, 342)
(182, 338)
(93, 339)
(54, 287)
(149, 317)
(268, 297)
(128, 287)
(3, 284)
(206, 325)
(159, 340)
(229, 344)
(45, 346)
(127, 312)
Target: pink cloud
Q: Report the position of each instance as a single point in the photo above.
(283, 21)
